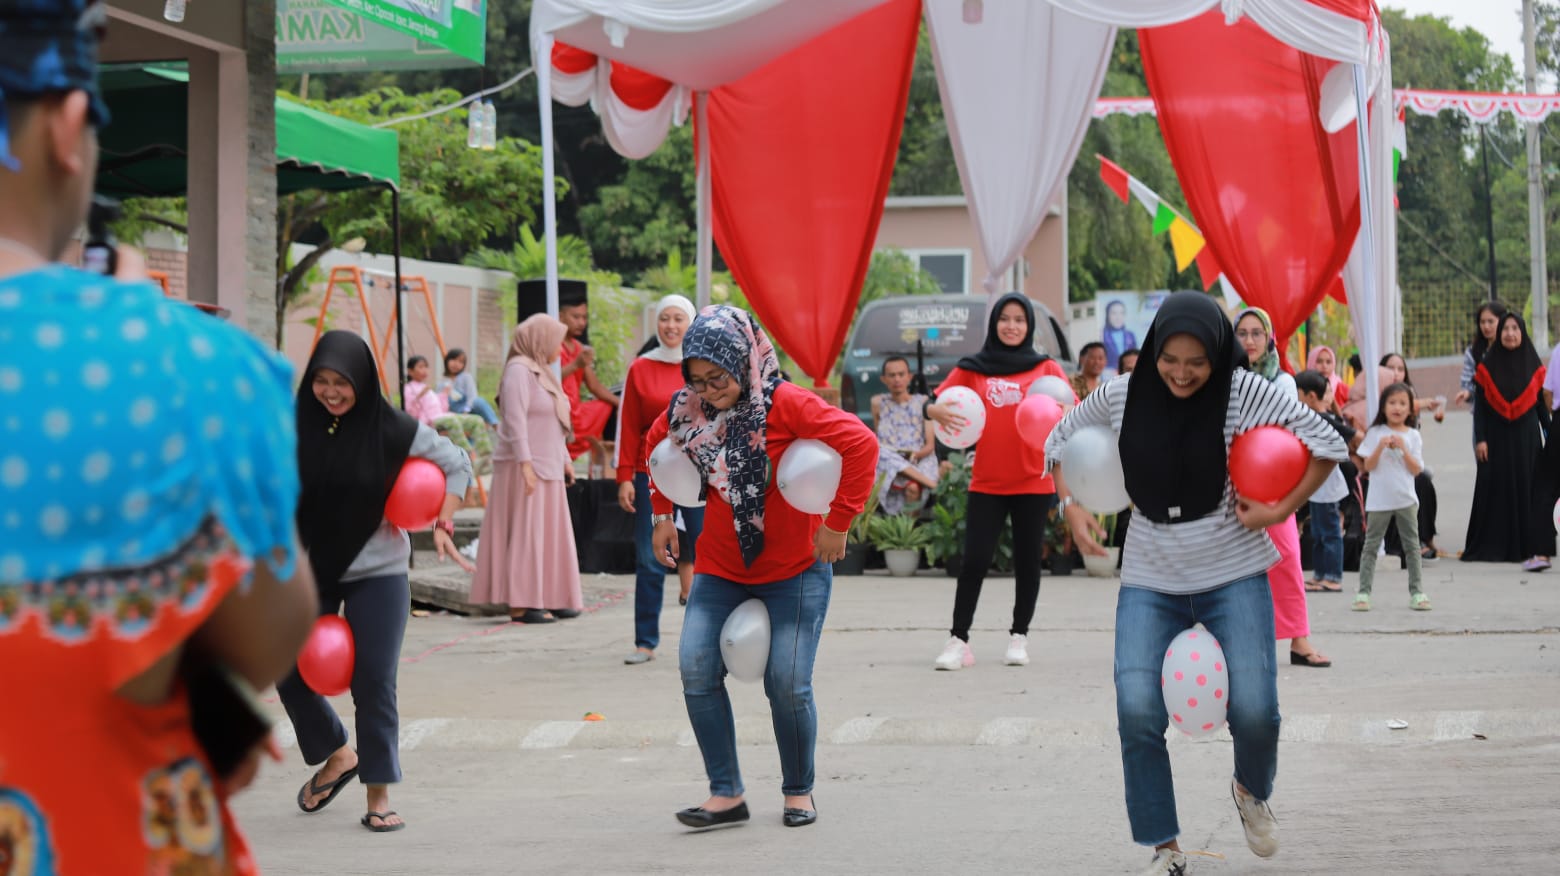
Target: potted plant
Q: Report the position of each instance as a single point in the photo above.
(945, 525)
(1104, 567)
(900, 540)
(856, 539)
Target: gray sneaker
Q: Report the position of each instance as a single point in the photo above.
(1167, 862)
(1257, 818)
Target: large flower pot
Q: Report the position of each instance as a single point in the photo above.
(1102, 567)
(902, 563)
(855, 560)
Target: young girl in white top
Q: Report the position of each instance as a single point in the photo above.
(1394, 456)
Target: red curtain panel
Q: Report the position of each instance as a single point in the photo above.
(801, 154)
(1276, 197)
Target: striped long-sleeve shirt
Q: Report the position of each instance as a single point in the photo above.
(1194, 556)
(1465, 380)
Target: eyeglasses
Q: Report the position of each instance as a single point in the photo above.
(1251, 335)
(717, 382)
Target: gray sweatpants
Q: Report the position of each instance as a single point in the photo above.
(1376, 523)
(376, 610)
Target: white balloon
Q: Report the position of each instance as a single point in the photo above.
(1557, 517)
(675, 475)
(1091, 463)
(962, 401)
(809, 475)
(1195, 682)
(744, 640)
(1055, 387)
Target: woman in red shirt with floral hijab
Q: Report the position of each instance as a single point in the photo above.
(735, 420)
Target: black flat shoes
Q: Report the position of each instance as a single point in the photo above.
(698, 816)
(799, 817)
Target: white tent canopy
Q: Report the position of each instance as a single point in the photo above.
(1018, 80)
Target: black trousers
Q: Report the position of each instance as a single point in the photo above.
(983, 521)
(376, 610)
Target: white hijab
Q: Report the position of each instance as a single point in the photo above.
(661, 353)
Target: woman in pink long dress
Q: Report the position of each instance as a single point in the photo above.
(525, 555)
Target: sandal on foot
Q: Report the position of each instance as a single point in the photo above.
(313, 788)
(1362, 602)
(384, 826)
(1314, 659)
(1332, 586)
(1419, 602)
(1314, 587)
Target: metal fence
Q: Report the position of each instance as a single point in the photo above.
(1438, 317)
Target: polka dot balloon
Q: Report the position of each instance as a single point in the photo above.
(1195, 682)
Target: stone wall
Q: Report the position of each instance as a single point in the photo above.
(260, 230)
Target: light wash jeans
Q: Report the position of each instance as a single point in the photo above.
(796, 610)
(1240, 616)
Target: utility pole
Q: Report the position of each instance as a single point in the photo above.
(1537, 232)
(1489, 210)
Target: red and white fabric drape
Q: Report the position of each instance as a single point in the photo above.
(637, 109)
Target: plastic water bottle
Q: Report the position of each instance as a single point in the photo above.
(490, 127)
(173, 11)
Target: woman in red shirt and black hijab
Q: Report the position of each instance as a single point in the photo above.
(735, 420)
(1512, 494)
(1009, 479)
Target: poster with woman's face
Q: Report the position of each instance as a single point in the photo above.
(1124, 320)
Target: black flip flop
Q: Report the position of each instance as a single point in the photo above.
(367, 821)
(313, 787)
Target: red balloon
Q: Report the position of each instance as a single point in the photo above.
(1036, 417)
(328, 656)
(417, 496)
(1267, 463)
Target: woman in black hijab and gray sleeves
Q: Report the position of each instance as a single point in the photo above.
(351, 446)
(1196, 552)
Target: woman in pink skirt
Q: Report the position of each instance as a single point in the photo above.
(1254, 331)
(525, 555)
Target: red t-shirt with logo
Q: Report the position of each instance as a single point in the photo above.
(1007, 463)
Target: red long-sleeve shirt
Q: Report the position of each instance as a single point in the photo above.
(647, 391)
(788, 533)
(1006, 464)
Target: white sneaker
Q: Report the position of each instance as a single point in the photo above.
(956, 654)
(1257, 818)
(1167, 862)
(1018, 651)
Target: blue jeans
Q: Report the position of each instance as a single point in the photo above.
(1327, 541)
(649, 574)
(1240, 616)
(796, 609)
(481, 408)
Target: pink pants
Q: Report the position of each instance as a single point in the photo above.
(1288, 583)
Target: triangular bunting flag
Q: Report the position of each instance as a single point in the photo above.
(1114, 177)
(1144, 195)
(1186, 242)
(1164, 218)
(1208, 268)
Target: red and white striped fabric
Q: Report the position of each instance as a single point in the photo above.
(637, 109)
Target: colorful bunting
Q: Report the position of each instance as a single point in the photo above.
(1186, 242)
(1185, 239)
(1114, 177)
(1164, 217)
(1208, 268)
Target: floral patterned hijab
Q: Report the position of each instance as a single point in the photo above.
(1266, 364)
(728, 447)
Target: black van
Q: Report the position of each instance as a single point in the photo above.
(941, 328)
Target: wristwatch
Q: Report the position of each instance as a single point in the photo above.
(658, 519)
(447, 525)
(1065, 503)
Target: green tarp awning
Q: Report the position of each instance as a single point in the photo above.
(144, 147)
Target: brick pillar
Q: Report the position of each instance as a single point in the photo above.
(260, 229)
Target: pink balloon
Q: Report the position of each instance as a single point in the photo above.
(417, 496)
(328, 656)
(1037, 416)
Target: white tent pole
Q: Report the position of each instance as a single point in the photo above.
(543, 64)
(1369, 336)
(706, 249)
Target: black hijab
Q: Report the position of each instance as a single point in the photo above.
(1511, 379)
(995, 357)
(1172, 450)
(346, 465)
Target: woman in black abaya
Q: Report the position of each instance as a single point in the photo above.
(1512, 496)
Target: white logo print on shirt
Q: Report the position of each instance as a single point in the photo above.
(1001, 392)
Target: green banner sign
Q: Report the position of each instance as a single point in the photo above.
(314, 36)
(455, 26)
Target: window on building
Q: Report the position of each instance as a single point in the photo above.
(951, 267)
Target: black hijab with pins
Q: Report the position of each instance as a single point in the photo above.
(1172, 450)
(348, 464)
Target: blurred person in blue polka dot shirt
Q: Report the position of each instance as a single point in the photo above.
(148, 483)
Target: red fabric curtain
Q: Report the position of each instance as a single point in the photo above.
(1276, 197)
(568, 59)
(801, 153)
(636, 88)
